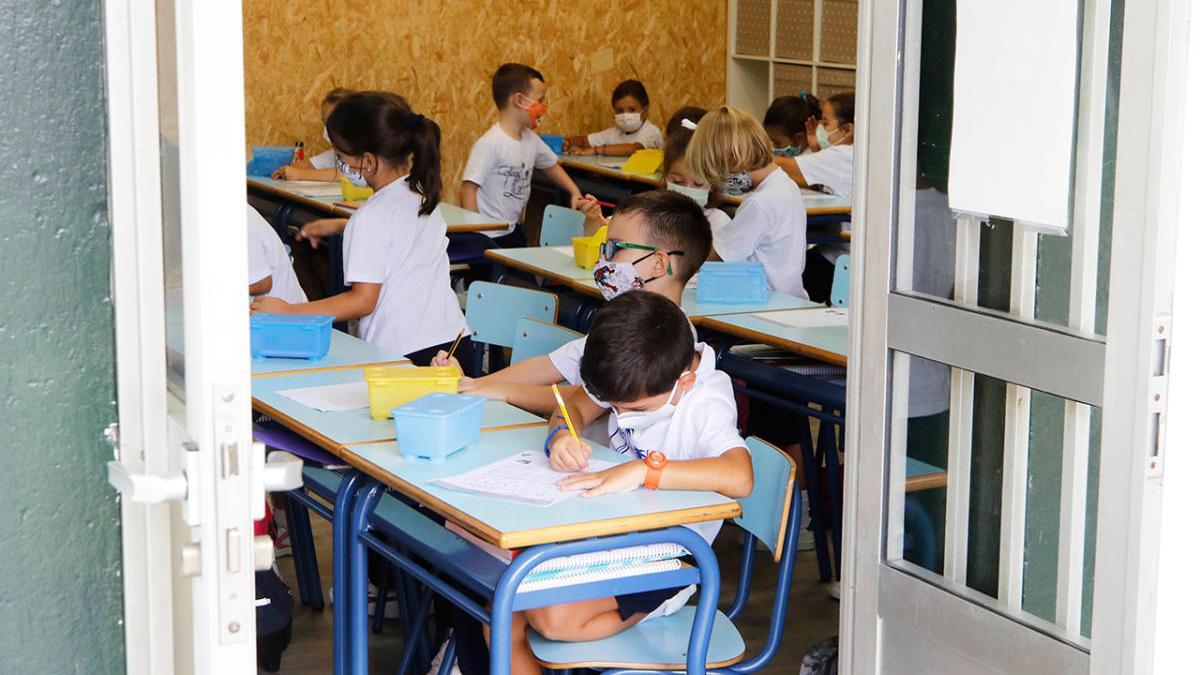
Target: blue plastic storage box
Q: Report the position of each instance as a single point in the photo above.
(743, 283)
(555, 142)
(265, 159)
(436, 426)
(290, 336)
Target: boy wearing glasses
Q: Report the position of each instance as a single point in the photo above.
(657, 242)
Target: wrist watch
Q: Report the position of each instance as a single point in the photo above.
(655, 463)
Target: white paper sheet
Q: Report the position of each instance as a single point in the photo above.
(1014, 53)
(330, 397)
(524, 477)
(817, 317)
(311, 188)
(568, 251)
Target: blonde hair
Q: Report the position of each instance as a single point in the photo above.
(727, 140)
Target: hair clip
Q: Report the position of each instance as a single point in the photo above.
(687, 124)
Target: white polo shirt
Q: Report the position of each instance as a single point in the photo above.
(770, 226)
(268, 257)
(648, 135)
(388, 242)
(502, 167)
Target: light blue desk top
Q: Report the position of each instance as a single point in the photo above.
(511, 524)
(543, 261)
(915, 467)
(333, 429)
(827, 343)
(345, 351)
(457, 218)
(775, 301)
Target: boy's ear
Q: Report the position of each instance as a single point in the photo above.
(687, 380)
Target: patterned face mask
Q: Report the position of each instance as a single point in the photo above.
(615, 278)
(737, 184)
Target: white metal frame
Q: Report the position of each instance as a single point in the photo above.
(189, 573)
(1146, 193)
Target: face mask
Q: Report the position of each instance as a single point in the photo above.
(629, 122)
(615, 278)
(355, 177)
(789, 151)
(536, 111)
(325, 135)
(698, 195)
(823, 137)
(633, 421)
(737, 183)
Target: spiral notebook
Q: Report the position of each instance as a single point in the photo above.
(604, 565)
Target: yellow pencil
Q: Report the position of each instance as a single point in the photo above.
(562, 407)
(456, 341)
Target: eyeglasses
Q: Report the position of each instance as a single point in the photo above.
(609, 248)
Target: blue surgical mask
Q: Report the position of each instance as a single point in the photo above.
(737, 183)
(789, 151)
(823, 137)
(698, 195)
(355, 177)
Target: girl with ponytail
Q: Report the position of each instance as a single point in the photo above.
(394, 246)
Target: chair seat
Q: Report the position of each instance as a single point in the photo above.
(657, 644)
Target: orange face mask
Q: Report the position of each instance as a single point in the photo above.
(536, 110)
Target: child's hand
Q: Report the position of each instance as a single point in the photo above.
(591, 208)
(266, 303)
(443, 359)
(810, 129)
(577, 201)
(568, 454)
(583, 151)
(284, 173)
(478, 387)
(625, 477)
(316, 230)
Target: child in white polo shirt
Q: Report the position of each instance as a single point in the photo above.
(270, 267)
(674, 418)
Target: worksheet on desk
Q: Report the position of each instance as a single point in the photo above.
(331, 397)
(524, 477)
(817, 317)
(311, 188)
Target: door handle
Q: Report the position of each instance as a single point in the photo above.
(145, 488)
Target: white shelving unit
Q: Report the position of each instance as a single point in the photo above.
(780, 47)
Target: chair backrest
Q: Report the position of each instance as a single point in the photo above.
(765, 511)
(494, 309)
(559, 224)
(839, 295)
(538, 338)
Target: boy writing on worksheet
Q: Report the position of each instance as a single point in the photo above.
(675, 419)
(500, 168)
(657, 240)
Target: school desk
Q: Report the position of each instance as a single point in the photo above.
(458, 219)
(556, 263)
(345, 351)
(696, 310)
(779, 329)
(575, 526)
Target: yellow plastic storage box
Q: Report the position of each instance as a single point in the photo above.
(587, 249)
(390, 387)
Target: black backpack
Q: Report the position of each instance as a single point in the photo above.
(273, 612)
(821, 658)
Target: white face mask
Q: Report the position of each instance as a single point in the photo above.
(355, 177)
(698, 195)
(629, 122)
(635, 420)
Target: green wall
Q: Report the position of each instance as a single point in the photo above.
(60, 585)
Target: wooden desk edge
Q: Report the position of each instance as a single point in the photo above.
(711, 322)
(644, 179)
(324, 369)
(301, 429)
(927, 481)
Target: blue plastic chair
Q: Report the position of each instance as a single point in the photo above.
(771, 515)
(559, 224)
(493, 311)
(839, 294)
(538, 338)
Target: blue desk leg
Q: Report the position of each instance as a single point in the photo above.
(706, 609)
(356, 589)
(342, 506)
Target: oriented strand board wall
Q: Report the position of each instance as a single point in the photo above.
(440, 56)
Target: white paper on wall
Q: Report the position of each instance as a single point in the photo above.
(1012, 141)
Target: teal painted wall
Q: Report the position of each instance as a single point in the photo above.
(60, 584)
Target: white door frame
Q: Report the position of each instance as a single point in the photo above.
(1145, 214)
(188, 570)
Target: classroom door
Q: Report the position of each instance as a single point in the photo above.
(189, 476)
(1032, 366)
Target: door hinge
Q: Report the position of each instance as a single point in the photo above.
(1160, 368)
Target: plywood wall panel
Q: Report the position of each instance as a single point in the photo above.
(440, 56)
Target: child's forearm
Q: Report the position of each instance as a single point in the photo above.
(535, 398)
(582, 409)
(792, 168)
(467, 196)
(355, 303)
(731, 474)
(619, 149)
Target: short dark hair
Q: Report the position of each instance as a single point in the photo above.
(690, 113)
(789, 113)
(512, 78)
(673, 222)
(336, 95)
(638, 346)
(632, 88)
(843, 107)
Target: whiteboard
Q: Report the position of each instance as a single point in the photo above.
(1012, 140)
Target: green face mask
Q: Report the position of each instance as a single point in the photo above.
(789, 151)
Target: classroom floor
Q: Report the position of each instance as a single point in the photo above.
(812, 613)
